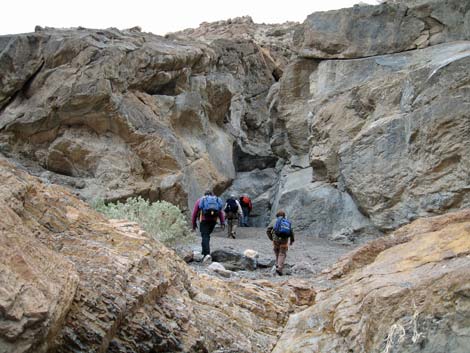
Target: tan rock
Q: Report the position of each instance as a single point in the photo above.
(398, 293)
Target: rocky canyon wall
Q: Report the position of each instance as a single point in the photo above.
(372, 117)
(407, 292)
(355, 122)
(114, 114)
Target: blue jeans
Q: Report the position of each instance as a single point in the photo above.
(246, 215)
(206, 228)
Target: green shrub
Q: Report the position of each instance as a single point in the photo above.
(162, 220)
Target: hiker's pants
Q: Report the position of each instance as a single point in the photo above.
(246, 215)
(232, 226)
(206, 228)
(280, 250)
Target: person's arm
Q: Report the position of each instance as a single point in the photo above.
(222, 218)
(292, 237)
(269, 233)
(250, 205)
(240, 210)
(194, 215)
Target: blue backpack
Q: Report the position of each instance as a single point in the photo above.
(210, 205)
(283, 227)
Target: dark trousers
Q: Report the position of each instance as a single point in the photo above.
(246, 215)
(206, 228)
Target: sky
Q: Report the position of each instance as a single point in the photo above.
(159, 17)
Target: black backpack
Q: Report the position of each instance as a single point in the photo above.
(231, 206)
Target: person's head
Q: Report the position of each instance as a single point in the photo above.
(232, 196)
(208, 192)
(280, 213)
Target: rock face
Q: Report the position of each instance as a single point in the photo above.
(407, 292)
(388, 133)
(363, 31)
(392, 131)
(119, 113)
(73, 282)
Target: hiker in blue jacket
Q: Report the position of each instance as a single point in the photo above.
(280, 232)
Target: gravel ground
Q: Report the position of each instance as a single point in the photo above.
(307, 257)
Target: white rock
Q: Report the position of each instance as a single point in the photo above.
(252, 254)
(197, 256)
(216, 266)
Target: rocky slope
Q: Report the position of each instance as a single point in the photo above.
(73, 282)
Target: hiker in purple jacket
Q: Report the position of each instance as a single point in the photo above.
(208, 209)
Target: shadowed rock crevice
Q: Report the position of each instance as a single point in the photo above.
(245, 162)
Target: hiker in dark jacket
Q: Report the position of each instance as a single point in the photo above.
(280, 232)
(207, 221)
(245, 202)
(233, 211)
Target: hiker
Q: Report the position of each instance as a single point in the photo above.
(280, 231)
(245, 202)
(232, 210)
(208, 208)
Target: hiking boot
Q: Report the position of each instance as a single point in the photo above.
(232, 236)
(279, 272)
(207, 259)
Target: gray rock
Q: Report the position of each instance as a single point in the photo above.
(220, 269)
(265, 262)
(370, 124)
(382, 153)
(363, 31)
(233, 260)
(258, 185)
(317, 207)
(197, 256)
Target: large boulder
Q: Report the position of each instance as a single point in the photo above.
(233, 260)
(318, 207)
(403, 154)
(258, 185)
(407, 292)
(362, 31)
(389, 131)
